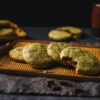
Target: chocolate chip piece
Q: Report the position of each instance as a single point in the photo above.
(67, 58)
(74, 63)
(56, 87)
(77, 90)
(49, 83)
(65, 83)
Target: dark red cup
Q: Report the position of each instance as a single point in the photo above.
(96, 19)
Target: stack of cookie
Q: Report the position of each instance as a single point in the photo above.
(65, 33)
(39, 55)
(5, 28)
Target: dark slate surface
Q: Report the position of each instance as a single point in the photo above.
(37, 85)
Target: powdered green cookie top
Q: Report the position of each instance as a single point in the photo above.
(54, 49)
(16, 54)
(87, 63)
(6, 31)
(36, 54)
(70, 29)
(59, 35)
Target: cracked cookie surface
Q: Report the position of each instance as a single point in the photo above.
(59, 35)
(86, 63)
(54, 49)
(36, 54)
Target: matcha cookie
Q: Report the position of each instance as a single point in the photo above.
(72, 52)
(59, 35)
(88, 65)
(36, 55)
(7, 32)
(54, 49)
(4, 24)
(85, 62)
(75, 32)
(16, 54)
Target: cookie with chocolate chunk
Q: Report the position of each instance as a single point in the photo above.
(54, 49)
(73, 52)
(75, 32)
(85, 62)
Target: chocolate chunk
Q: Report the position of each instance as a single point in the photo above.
(65, 83)
(74, 63)
(49, 83)
(77, 90)
(56, 87)
(67, 58)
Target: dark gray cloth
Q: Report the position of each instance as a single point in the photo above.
(37, 85)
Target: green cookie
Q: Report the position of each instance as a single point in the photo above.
(72, 52)
(54, 49)
(59, 35)
(75, 32)
(85, 62)
(7, 32)
(72, 30)
(4, 24)
(16, 54)
(36, 55)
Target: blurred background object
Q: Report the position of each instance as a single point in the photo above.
(96, 18)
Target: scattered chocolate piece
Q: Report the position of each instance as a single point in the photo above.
(74, 63)
(56, 87)
(50, 83)
(77, 90)
(65, 83)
